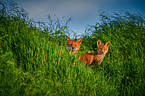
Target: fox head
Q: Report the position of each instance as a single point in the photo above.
(102, 49)
(73, 45)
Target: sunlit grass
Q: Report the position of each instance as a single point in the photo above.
(36, 62)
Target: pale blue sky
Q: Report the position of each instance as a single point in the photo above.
(83, 12)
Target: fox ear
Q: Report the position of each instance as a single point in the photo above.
(99, 43)
(67, 38)
(107, 44)
(79, 40)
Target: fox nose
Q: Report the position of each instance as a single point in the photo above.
(73, 48)
(99, 52)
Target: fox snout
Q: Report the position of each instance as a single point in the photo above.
(99, 52)
(71, 48)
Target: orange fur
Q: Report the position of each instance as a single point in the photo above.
(73, 46)
(97, 55)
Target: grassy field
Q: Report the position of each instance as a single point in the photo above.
(35, 61)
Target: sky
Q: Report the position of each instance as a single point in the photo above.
(82, 12)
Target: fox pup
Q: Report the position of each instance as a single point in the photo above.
(73, 46)
(97, 55)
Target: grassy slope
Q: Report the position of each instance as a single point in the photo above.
(35, 64)
(124, 63)
(32, 64)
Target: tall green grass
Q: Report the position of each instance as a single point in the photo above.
(35, 61)
(124, 63)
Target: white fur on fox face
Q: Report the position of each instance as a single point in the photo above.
(69, 48)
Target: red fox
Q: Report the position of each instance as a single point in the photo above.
(73, 46)
(97, 55)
